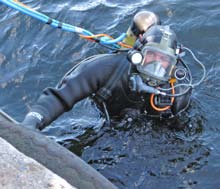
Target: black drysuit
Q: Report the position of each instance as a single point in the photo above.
(86, 80)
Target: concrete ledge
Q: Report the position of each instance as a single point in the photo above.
(20, 171)
(52, 156)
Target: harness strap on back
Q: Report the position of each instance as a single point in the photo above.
(105, 92)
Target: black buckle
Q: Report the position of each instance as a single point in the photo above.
(102, 95)
(162, 101)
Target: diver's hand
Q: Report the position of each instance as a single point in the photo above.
(33, 120)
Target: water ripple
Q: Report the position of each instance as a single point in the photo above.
(144, 152)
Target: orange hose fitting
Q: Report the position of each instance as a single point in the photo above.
(166, 107)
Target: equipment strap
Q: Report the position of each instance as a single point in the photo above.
(105, 92)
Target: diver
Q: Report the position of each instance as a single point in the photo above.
(151, 77)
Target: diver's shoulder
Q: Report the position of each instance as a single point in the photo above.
(110, 58)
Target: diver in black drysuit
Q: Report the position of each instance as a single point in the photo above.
(115, 84)
(86, 80)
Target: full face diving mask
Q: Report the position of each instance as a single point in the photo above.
(156, 61)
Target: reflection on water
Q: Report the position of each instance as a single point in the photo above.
(132, 153)
(149, 153)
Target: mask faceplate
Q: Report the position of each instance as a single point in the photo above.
(157, 64)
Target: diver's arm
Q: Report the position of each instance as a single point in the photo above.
(81, 83)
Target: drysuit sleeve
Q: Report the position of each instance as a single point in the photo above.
(85, 80)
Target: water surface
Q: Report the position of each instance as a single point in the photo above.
(142, 153)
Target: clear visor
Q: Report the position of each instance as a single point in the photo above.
(157, 63)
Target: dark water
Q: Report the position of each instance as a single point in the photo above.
(143, 153)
